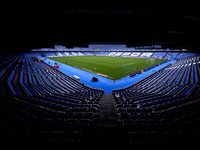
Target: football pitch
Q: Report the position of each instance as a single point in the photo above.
(109, 67)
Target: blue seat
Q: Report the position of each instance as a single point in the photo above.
(171, 136)
(124, 115)
(43, 85)
(121, 109)
(188, 135)
(39, 136)
(188, 89)
(13, 87)
(154, 136)
(92, 109)
(83, 122)
(89, 115)
(32, 82)
(137, 137)
(56, 135)
(79, 115)
(128, 122)
(25, 86)
(72, 122)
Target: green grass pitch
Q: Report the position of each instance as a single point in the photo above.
(109, 67)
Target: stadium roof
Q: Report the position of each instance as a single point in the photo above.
(32, 25)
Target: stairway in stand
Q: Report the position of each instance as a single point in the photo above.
(107, 129)
(107, 114)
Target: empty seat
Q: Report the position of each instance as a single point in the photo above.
(130, 109)
(140, 121)
(124, 115)
(56, 135)
(188, 135)
(93, 109)
(153, 121)
(72, 122)
(171, 136)
(121, 109)
(154, 136)
(136, 137)
(89, 115)
(40, 136)
(84, 122)
(84, 109)
(128, 122)
(79, 115)
(73, 135)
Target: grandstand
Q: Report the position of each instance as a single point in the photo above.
(40, 103)
(157, 105)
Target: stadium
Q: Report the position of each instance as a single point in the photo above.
(92, 84)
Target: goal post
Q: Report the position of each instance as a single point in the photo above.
(126, 68)
(150, 61)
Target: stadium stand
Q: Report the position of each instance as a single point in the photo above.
(146, 54)
(126, 53)
(159, 55)
(50, 54)
(80, 54)
(88, 53)
(106, 47)
(118, 54)
(111, 54)
(40, 104)
(38, 95)
(73, 53)
(135, 54)
(161, 103)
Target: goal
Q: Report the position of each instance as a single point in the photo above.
(150, 61)
(128, 68)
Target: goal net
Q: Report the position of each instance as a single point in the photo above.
(150, 61)
(128, 68)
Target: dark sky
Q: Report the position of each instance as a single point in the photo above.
(33, 25)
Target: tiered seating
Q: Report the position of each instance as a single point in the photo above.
(58, 54)
(67, 54)
(38, 98)
(74, 53)
(166, 101)
(172, 55)
(34, 54)
(79, 53)
(158, 55)
(146, 54)
(41, 104)
(111, 54)
(118, 54)
(50, 54)
(101, 53)
(183, 55)
(88, 53)
(126, 54)
(106, 47)
(104, 50)
(146, 69)
(135, 54)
